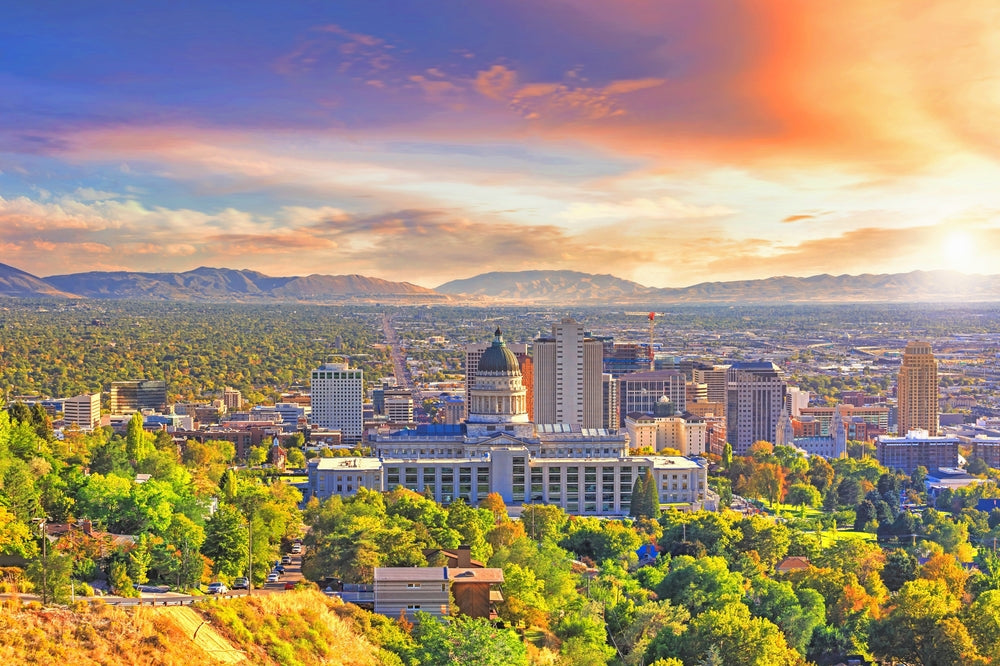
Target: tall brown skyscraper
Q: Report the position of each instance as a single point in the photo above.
(917, 390)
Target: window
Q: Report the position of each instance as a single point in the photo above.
(413, 586)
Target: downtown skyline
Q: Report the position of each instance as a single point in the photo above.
(668, 143)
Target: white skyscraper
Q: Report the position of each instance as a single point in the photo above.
(337, 393)
(568, 373)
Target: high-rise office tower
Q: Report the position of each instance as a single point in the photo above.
(714, 378)
(398, 405)
(755, 398)
(917, 390)
(337, 392)
(232, 399)
(137, 394)
(609, 400)
(84, 411)
(568, 370)
(641, 391)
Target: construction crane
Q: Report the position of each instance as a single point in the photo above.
(652, 319)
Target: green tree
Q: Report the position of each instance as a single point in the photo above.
(864, 514)
(821, 473)
(226, 541)
(50, 574)
(769, 539)
(543, 521)
(138, 442)
(907, 632)
(900, 568)
(700, 584)
(803, 494)
(727, 636)
(584, 638)
(727, 455)
(15, 535)
(139, 559)
(465, 641)
(983, 621)
(119, 580)
(645, 498)
(257, 456)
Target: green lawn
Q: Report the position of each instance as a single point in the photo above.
(794, 511)
(829, 536)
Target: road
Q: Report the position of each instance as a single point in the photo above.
(397, 352)
(157, 596)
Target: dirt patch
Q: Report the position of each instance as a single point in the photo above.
(202, 634)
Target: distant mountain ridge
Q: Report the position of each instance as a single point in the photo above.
(547, 285)
(573, 287)
(551, 287)
(203, 284)
(18, 284)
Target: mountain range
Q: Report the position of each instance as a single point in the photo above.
(535, 287)
(573, 287)
(204, 284)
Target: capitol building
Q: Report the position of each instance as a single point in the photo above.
(586, 471)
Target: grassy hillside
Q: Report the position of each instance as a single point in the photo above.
(292, 629)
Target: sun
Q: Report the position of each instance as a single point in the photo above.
(957, 252)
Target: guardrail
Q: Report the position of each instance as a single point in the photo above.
(184, 601)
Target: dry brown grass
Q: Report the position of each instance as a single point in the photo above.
(297, 628)
(291, 629)
(90, 635)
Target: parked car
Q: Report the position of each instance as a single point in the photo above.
(217, 588)
(241, 583)
(272, 577)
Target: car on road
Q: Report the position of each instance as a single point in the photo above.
(272, 577)
(217, 588)
(287, 559)
(289, 585)
(296, 549)
(278, 568)
(241, 583)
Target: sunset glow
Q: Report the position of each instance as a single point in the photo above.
(666, 142)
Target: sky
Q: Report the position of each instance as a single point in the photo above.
(666, 142)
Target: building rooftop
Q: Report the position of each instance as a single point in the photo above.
(475, 575)
(407, 574)
(347, 464)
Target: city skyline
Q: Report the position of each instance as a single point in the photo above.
(663, 142)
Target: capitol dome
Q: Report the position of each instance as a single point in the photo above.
(498, 358)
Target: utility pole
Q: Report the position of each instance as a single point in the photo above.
(45, 560)
(250, 555)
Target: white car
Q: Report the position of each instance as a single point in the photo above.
(272, 577)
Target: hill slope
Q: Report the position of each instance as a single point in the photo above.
(295, 627)
(226, 284)
(558, 287)
(547, 286)
(15, 283)
(914, 286)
